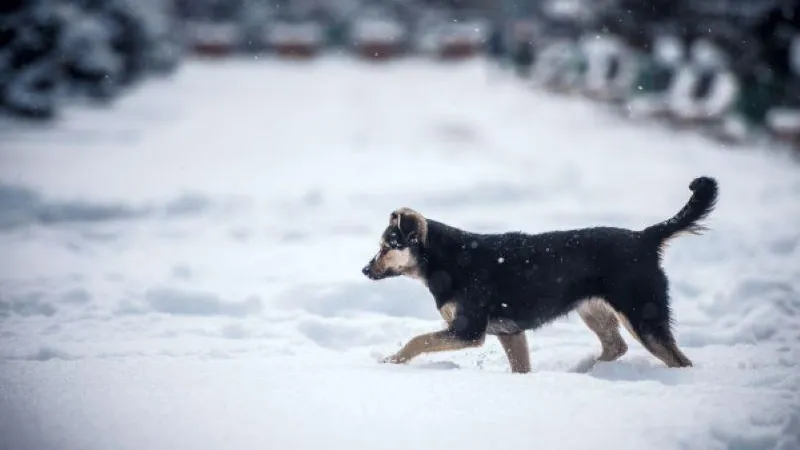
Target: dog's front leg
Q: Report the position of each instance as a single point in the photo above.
(438, 341)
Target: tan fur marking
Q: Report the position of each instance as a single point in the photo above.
(667, 352)
(601, 318)
(448, 312)
(517, 352)
(627, 324)
(692, 231)
(438, 341)
(419, 220)
(399, 260)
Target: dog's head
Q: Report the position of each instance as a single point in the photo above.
(400, 246)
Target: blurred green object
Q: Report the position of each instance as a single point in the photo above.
(757, 96)
(562, 65)
(522, 58)
(652, 77)
(336, 34)
(577, 62)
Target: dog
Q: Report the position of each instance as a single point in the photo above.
(504, 284)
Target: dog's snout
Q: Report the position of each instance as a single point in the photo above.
(365, 270)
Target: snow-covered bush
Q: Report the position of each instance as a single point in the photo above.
(88, 60)
(53, 49)
(29, 58)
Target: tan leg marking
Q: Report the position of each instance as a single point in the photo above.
(516, 348)
(667, 352)
(602, 320)
(438, 341)
(448, 312)
(627, 324)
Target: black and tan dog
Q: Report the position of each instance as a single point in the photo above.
(505, 284)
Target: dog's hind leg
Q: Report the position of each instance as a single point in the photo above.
(602, 320)
(644, 310)
(659, 341)
(516, 348)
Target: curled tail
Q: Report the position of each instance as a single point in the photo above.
(699, 206)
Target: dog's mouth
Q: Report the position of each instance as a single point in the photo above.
(370, 273)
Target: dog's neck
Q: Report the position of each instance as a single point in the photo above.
(442, 243)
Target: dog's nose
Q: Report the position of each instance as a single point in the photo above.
(365, 270)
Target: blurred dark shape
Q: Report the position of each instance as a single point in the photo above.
(523, 57)
(23, 207)
(54, 50)
(496, 44)
(11, 6)
(729, 68)
(29, 69)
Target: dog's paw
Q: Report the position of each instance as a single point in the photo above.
(394, 359)
(383, 359)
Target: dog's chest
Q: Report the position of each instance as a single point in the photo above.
(495, 326)
(503, 326)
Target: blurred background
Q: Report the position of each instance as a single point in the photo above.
(190, 188)
(728, 68)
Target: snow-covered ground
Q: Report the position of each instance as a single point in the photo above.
(183, 271)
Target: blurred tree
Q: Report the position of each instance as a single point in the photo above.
(30, 58)
(50, 49)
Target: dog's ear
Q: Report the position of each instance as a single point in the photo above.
(412, 225)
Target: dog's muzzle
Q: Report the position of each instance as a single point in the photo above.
(369, 272)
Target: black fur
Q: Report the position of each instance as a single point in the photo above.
(510, 282)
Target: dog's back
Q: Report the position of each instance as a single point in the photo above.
(531, 279)
(534, 278)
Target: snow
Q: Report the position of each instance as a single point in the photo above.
(183, 271)
(706, 55)
(681, 102)
(554, 64)
(784, 119)
(470, 31)
(721, 97)
(564, 8)
(600, 54)
(368, 29)
(308, 33)
(668, 50)
(212, 32)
